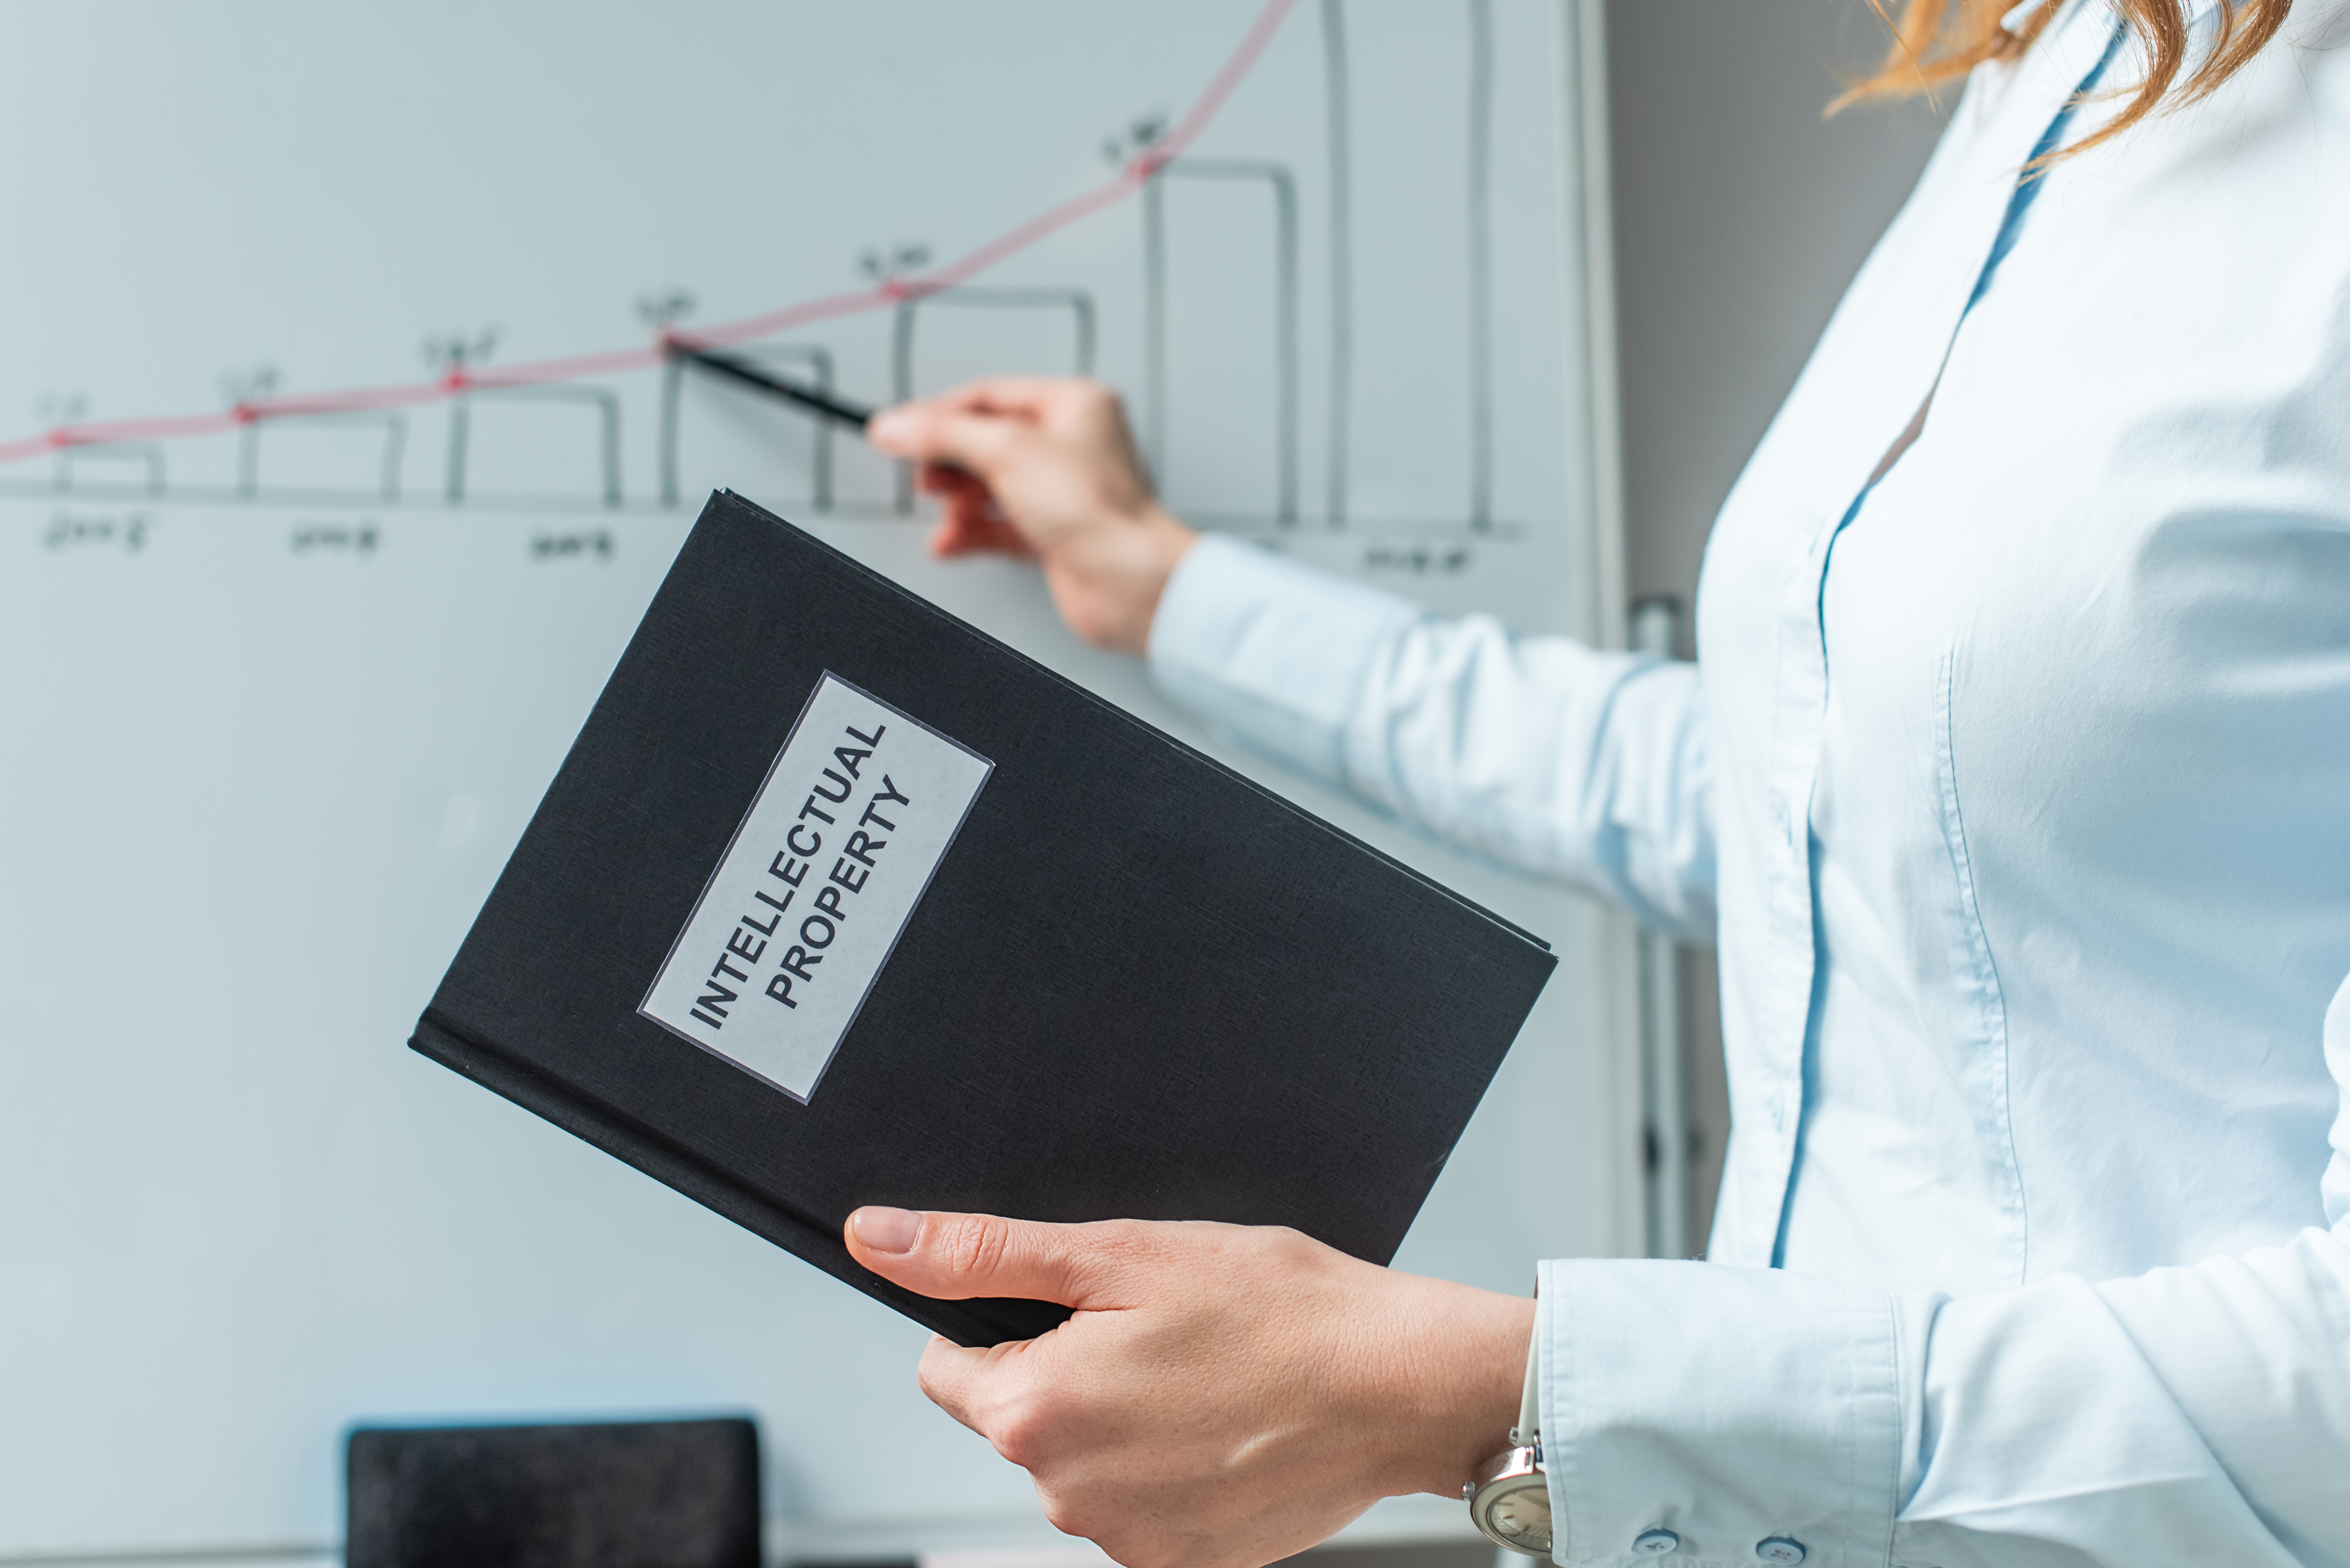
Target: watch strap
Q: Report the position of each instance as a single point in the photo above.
(1527, 1433)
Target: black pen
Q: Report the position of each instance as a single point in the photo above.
(839, 411)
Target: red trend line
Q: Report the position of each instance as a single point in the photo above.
(882, 296)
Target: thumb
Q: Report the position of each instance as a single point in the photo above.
(952, 1257)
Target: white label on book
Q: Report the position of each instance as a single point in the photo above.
(811, 895)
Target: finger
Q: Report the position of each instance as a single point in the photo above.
(1029, 397)
(1045, 400)
(954, 1257)
(982, 530)
(961, 531)
(1000, 536)
(1003, 1393)
(969, 524)
(973, 520)
(942, 480)
(935, 431)
(955, 1379)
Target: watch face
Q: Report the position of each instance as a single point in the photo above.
(1521, 1516)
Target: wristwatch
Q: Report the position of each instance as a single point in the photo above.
(1508, 1496)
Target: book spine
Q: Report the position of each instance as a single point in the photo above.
(626, 1138)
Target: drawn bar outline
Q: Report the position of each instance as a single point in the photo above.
(1276, 176)
(819, 359)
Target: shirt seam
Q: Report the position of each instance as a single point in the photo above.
(1979, 957)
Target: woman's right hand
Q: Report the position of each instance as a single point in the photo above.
(1044, 467)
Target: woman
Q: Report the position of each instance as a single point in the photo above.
(2017, 767)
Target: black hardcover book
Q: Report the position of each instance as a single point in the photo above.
(837, 901)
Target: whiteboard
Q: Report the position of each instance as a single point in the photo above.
(281, 692)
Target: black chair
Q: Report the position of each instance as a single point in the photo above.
(621, 1494)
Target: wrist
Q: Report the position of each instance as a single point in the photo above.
(1162, 541)
(1110, 577)
(1459, 1386)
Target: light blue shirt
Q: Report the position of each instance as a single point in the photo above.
(2015, 789)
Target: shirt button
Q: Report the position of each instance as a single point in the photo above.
(1781, 1549)
(1655, 1543)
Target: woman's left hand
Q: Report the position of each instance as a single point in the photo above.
(1225, 1395)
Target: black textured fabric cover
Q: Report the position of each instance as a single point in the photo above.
(622, 1494)
(1139, 985)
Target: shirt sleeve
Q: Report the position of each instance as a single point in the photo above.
(2183, 1419)
(1584, 767)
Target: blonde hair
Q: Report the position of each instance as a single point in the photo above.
(1937, 40)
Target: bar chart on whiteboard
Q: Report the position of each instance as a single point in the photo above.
(340, 450)
(368, 266)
